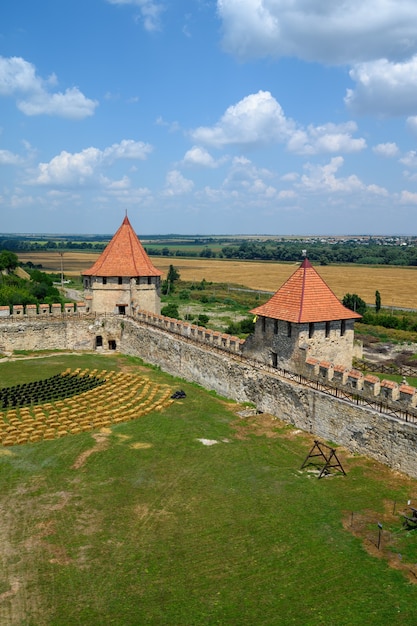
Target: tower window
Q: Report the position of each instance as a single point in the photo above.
(342, 327)
(104, 280)
(149, 280)
(263, 324)
(275, 327)
(310, 330)
(327, 331)
(120, 280)
(288, 329)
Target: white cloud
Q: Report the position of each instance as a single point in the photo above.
(258, 119)
(176, 184)
(407, 197)
(322, 178)
(150, 11)
(287, 194)
(9, 158)
(327, 138)
(412, 124)
(199, 157)
(333, 32)
(290, 177)
(18, 79)
(386, 149)
(244, 177)
(128, 149)
(384, 87)
(123, 183)
(71, 104)
(173, 127)
(82, 168)
(410, 159)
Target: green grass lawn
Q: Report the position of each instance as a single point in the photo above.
(154, 527)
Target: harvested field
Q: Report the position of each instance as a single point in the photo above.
(395, 284)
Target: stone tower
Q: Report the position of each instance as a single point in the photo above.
(123, 279)
(303, 318)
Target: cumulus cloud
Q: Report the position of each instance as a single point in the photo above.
(245, 177)
(323, 178)
(176, 184)
(150, 12)
(82, 168)
(128, 149)
(258, 120)
(407, 197)
(384, 87)
(199, 157)
(9, 158)
(18, 79)
(412, 124)
(410, 159)
(327, 138)
(386, 149)
(336, 32)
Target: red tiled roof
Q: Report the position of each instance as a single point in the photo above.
(123, 256)
(305, 297)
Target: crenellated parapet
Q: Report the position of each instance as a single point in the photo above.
(364, 385)
(43, 310)
(191, 331)
(348, 380)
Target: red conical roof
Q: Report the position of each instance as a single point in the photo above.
(123, 256)
(305, 297)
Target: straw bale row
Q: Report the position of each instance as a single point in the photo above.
(121, 398)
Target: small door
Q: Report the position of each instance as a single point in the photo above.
(122, 309)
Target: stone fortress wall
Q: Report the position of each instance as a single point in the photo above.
(375, 418)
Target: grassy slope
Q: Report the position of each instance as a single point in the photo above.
(182, 533)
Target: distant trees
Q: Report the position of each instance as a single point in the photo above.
(353, 302)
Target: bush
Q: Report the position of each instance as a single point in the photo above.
(203, 320)
(170, 310)
(353, 302)
(244, 327)
(184, 294)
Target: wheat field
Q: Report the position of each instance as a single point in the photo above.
(397, 285)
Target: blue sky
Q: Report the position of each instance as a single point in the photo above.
(208, 117)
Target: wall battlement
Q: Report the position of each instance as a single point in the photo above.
(34, 310)
(352, 381)
(383, 428)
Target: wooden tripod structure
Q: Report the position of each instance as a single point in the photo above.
(328, 455)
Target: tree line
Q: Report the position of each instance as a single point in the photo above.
(289, 251)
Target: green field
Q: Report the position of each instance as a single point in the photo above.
(144, 523)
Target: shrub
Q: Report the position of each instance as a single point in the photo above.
(184, 294)
(170, 310)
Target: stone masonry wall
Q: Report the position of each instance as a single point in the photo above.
(360, 429)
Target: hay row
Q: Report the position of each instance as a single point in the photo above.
(122, 398)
